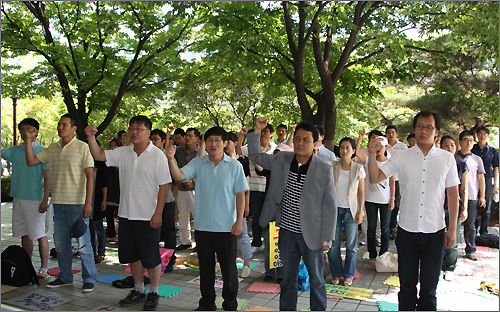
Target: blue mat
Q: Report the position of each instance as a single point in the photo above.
(253, 265)
(109, 278)
(387, 306)
(167, 291)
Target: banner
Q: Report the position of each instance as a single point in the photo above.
(165, 255)
(348, 292)
(274, 252)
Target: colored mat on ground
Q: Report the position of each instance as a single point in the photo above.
(387, 306)
(241, 303)
(191, 265)
(464, 271)
(357, 275)
(482, 248)
(486, 254)
(192, 269)
(109, 278)
(348, 292)
(259, 308)
(366, 256)
(55, 271)
(253, 265)
(111, 253)
(265, 288)
(165, 255)
(392, 281)
(334, 297)
(166, 291)
(180, 260)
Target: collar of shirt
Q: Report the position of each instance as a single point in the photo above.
(197, 149)
(33, 144)
(462, 156)
(431, 151)
(302, 169)
(148, 149)
(206, 158)
(70, 142)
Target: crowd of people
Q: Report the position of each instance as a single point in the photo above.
(155, 182)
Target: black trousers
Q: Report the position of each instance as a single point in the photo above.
(168, 229)
(224, 245)
(395, 211)
(424, 251)
(111, 212)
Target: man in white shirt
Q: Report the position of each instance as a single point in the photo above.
(324, 154)
(144, 175)
(425, 173)
(281, 132)
(394, 146)
(476, 190)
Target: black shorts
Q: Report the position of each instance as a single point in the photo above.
(138, 241)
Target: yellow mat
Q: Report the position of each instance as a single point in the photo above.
(392, 281)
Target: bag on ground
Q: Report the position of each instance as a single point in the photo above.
(388, 262)
(17, 269)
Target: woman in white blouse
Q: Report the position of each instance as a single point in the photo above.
(350, 186)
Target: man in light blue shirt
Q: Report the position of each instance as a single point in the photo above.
(323, 153)
(30, 199)
(219, 208)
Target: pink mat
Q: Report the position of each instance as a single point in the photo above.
(482, 248)
(55, 271)
(467, 271)
(357, 275)
(334, 297)
(165, 255)
(486, 254)
(264, 288)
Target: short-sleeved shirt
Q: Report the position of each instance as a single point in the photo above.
(489, 155)
(183, 158)
(423, 180)
(343, 187)
(170, 196)
(67, 175)
(140, 179)
(325, 154)
(26, 181)
(379, 193)
(257, 183)
(399, 146)
(475, 164)
(216, 189)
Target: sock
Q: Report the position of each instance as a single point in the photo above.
(153, 289)
(139, 287)
(43, 269)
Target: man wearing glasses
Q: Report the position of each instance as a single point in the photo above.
(186, 192)
(476, 190)
(301, 199)
(425, 173)
(489, 155)
(144, 178)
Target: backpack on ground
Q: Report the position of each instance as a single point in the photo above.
(17, 269)
(489, 240)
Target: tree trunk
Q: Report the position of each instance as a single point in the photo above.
(14, 118)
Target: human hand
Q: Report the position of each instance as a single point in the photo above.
(189, 184)
(44, 205)
(464, 215)
(31, 134)
(359, 217)
(325, 248)
(482, 202)
(260, 124)
(171, 151)
(103, 206)
(90, 130)
(170, 128)
(244, 130)
(495, 190)
(87, 210)
(246, 213)
(374, 146)
(362, 133)
(392, 204)
(237, 228)
(155, 221)
(450, 238)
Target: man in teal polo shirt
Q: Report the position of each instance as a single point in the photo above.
(219, 208)
(30, 202)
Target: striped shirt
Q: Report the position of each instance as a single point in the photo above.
(290, 203)
(66, 166)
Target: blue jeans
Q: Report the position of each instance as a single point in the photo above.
(269, 272)
(292, 246)
(416, 251)
(64, 217)
(372, 210)
(96, 227)
(344, 219)
(244, 242)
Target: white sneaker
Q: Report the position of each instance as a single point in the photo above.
(255, 250)
(43, 274)
(449, 276)
(246, 272)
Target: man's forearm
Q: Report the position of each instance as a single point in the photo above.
(452, 193)
(162, 195)
(95, 150)
(176, 173)
(90, 185)
(240, 205)
(46, 185)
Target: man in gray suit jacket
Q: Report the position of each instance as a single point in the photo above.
(301, 199)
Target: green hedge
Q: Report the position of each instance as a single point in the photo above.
(6, 189)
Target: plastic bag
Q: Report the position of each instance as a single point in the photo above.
(303, 278)
(387, 262)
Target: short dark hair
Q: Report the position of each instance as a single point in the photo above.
(483, 128)
(353, 144)
(30, 122)
(411, 135)
(72, 119)
(391, 127)
(446, 136)
(216, 131)
(375, 131)
(179, 131)
(195, 131)
(308, 126)
(464, 133)
(121, 132)
(116, 141)
(281, 126)
(321, 130)
(141, 119)
(232, 136)
(270, 128)
(428, 113)
(159, 133)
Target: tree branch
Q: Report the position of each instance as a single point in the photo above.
(426, 50)
(364, 58)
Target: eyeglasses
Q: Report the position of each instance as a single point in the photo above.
(190, 135)
(468, 141)
(25, 129)
(216, 141)
(482, 134)
(427, 128)
(136, 129)
(299, 139)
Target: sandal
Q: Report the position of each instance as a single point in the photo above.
(98, 258)
(335, 280)
(348, 281)
(372, 261)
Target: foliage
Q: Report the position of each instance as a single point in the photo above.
(6, 188)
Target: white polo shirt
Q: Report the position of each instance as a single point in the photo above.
(140, 179)
(325, 154)
(399, 146)
(476, 166)
(423, 181)
(257, 183)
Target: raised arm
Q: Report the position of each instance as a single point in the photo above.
(176, 173)
(289, 142)
(376, 175)
(31, 159)
(241, 135)
(170, 128)
(201, 152)
(361, 157)
(95, 150)
(254, 153)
